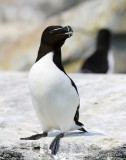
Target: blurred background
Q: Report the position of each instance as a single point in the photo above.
(22, 23)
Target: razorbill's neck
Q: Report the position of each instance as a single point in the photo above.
(43, 50)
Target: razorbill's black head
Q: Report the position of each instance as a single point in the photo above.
(103, 40)
(98, 61)
(53, 38)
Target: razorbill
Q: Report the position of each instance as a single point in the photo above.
(54, 94)
(101, 61)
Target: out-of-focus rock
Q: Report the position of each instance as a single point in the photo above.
(102, 110)
(21, 17)
(86, 19)
(30, 10)
(119, 47)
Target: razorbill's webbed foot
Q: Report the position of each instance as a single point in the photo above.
(35, 137)
(54, 147)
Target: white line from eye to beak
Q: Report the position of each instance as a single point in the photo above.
(56, 29)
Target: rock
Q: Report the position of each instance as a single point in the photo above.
(21, 54)
(26, 10)
(103, 111)
(119, 48)
(17, 15)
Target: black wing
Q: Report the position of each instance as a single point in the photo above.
(58, 63)
(76, 117)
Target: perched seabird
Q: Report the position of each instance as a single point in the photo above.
(101, 61)
(54, 94)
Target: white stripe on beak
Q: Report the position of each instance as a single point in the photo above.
(69, 33)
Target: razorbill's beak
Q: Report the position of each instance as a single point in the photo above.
(61, 31)
(69, 31)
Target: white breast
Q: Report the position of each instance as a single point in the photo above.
(54, 98)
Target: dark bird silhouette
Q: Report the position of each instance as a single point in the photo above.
(98, 62)
(54, 94)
